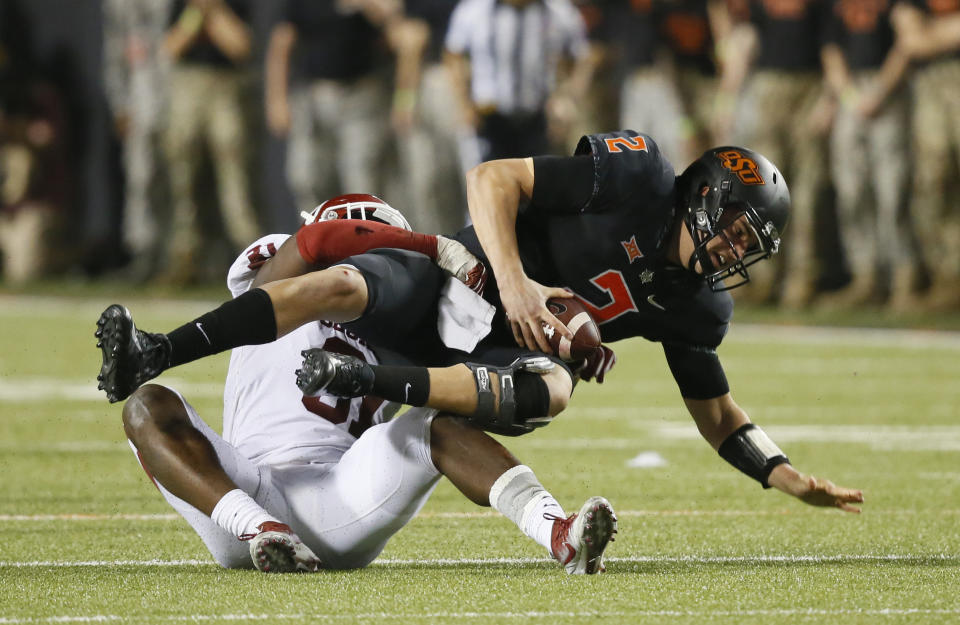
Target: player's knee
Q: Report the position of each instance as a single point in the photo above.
(538, 395)
(559, 386)
(340, 292)
(152, 407)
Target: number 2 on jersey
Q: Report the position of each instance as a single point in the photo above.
(618, 144)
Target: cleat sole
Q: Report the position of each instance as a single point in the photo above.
(112, 325)
(597, 535)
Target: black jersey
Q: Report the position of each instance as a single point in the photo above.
(862, 31)
(610, 249)
(607, 243)
(790, 33)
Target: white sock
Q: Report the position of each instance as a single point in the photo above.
(519, 496)
(239, 514)
(538, 520)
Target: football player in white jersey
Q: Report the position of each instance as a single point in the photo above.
(298, 483)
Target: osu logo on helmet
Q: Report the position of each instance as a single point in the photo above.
(745, 168)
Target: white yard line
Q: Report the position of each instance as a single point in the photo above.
(38, 389)
(455, 562)
(91, 307)
(479, 514)
(494, 616)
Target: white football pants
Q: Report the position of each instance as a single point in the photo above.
(344, 511)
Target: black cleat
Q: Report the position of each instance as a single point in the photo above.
(337, 374)
(130, 356)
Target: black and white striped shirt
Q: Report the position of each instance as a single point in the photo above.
(514, 50)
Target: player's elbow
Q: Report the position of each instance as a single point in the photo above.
(478, 175)
(511, 176)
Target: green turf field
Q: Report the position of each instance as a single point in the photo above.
(84, 536)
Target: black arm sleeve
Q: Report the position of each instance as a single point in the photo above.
(561, 184)
(697, 371)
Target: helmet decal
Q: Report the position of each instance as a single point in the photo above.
(745, 168)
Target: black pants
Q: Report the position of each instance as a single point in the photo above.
(400, 321)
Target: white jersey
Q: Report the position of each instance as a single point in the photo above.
(265, 415)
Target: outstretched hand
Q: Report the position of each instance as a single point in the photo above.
(820, 492)
(525, 305)
(814, 490)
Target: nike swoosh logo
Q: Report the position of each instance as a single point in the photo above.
(200, 327)
(653, 302)
(406, 393)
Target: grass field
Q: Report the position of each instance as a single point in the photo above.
(84, 537)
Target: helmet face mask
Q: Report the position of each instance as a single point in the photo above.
(357, 206)
(732, 191)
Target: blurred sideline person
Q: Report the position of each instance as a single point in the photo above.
(326, 92)
(870, 153)
(691, 29)
(425, 123)
(35, 178)
(929, 33)
(649, 253)
(518, 69)
(649, 98)
(340, 474)
(34, 181)
(772, 54)
(598, 107)
(136, 74)
(210, 45)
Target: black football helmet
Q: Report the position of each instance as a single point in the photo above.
(717, 189)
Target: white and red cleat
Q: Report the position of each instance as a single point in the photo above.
(276, 549)
(578, 541)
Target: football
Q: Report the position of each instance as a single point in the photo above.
(586, 334)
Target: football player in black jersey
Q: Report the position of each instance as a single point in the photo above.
(650, 253)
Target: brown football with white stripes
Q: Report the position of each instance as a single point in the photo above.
(586, 334)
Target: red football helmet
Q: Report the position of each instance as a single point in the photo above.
(357, 206)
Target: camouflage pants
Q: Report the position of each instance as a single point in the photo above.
(147, 188)
(207, 110)
(697, 92)
(650, 103)
(27, 246)
(429, 158)
(871, 173)
(935, 206)
(774, 122)
(338, 139)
